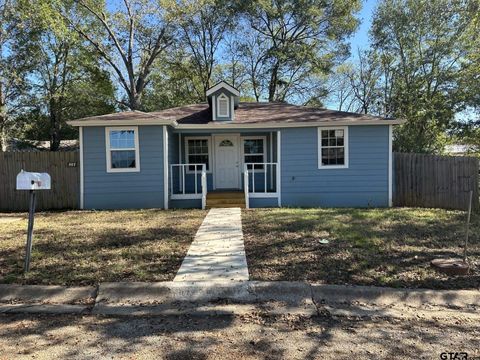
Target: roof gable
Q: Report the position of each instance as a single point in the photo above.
(222, 85)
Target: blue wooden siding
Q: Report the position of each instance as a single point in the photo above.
(186, 204)
(363, 184)
(263, 202)
(142, 189)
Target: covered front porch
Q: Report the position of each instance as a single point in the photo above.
(223, 162)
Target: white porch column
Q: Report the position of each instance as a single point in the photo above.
(390, 167)
(80, 138)
(271, 159)
(165, 168)
(279, 172)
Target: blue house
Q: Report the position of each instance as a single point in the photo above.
(232, 153)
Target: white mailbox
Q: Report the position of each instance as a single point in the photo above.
(33, 181)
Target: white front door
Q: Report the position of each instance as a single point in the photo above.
(227, 162)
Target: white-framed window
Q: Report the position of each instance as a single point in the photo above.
(223, 106)
(122, 148)
(254, 151)
(198, 150)
(333, 147)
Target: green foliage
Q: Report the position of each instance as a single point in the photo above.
(427, 44)
(35, 124)
(174, 83)
(202, 27)
(66, 79)
(14, 65)
(303, 39)
(468, 133)
(129, 37)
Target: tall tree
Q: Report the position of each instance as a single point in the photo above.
(471, 64)
(203, 26)
(339, 88)
(233, 70)
(426, 60)
(14, 64)
(5, 29)
(65, 73)
(304, 37)
(173, 82)
(129, 38)
(364, 79)
(253, 52)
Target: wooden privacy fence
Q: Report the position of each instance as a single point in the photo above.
(434, 181)
(63, 168)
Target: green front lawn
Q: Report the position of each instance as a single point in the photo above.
(386, 247)
(88, 247)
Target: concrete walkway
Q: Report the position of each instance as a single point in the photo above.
(217, 252)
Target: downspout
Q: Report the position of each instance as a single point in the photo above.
(80, 138)
(279, 168)
(390, 166)
(165, 168)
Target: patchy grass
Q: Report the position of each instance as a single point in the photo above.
(385, 247)
(88, 247)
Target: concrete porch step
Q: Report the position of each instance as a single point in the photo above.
(226, 201)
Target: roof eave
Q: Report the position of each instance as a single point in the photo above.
(126, 122)
(273, 125)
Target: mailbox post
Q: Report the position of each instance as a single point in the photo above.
(31, 181)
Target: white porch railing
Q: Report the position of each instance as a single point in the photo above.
(187, 177)
(204, 187)
(261, 180)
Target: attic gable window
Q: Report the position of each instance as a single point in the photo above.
(223, 108)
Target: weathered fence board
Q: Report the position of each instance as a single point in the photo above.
(65, 179)
(435, 181)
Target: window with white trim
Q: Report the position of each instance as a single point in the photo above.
(333, 147)
(223, 106)
(122, 149)
(254, 152)
(197, 152)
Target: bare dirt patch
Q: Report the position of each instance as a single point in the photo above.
(253, 336)
(4, 219)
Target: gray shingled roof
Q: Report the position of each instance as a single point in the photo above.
(130, 115)
(259, 113)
